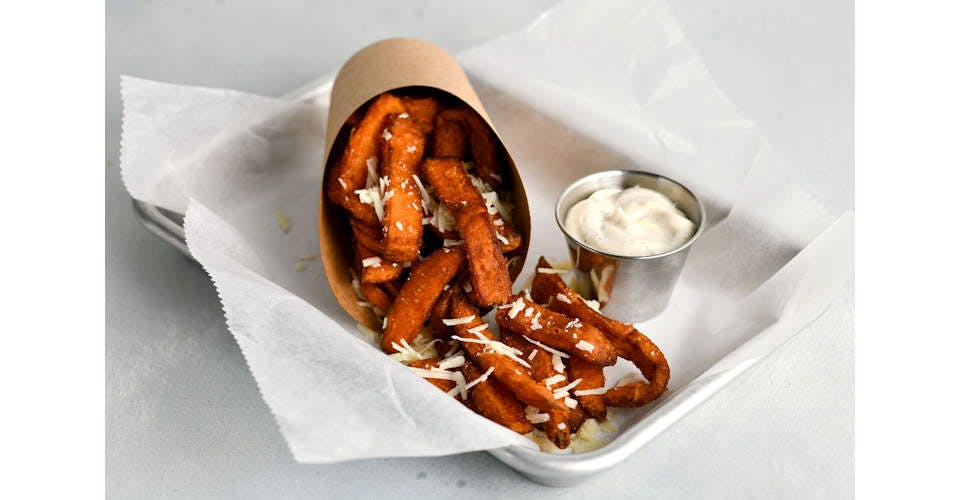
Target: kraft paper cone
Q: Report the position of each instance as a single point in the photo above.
(390, 65)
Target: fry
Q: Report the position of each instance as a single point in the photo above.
(426, 364)
(367, 236)
(378, 269)
(629, 342)
(450, 140)
(441, 310)
(559, 331)
(488, 267)
(542, 370)
(591, 377)
(508, 233)
(506, 370)
(482, 144)
(418, 295)
(392, 287)
(424, 111)
(350, 172)
(379, 298)
(402, 227)
(494, 401)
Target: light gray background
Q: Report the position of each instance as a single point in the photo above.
(184, 418)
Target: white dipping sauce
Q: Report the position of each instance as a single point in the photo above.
(632, 222)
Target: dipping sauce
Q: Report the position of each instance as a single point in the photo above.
(632, 222)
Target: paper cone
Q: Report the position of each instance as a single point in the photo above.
(384, 66)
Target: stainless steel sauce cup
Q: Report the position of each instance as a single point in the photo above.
(630, 289)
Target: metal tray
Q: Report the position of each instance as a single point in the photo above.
(545, 468)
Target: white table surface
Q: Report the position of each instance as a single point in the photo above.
(184, 418)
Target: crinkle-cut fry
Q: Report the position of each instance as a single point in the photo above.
(379, 298)
(402, 221)
(449, 139)
(591, 377)
(350, 173)
(511, 374)
(488, 267)
(367, 236)
(483, 145)
(551, 328)
(629, 342)
(423, 110)
(418, 295)
(493, 400)
(381, 272)
(541, 368)
(427, 364)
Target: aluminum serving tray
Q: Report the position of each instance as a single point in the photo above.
(545, 468)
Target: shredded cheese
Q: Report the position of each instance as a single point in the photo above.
(480, 379)
(535, 323)
(554, 379)
(477, 329)
(583, 345)
(550, 270)
(570, 402)
(592, 304)
(557, 363)
(399, 225)
(516, 308)
(454, 362)
(458, 321)
(565, 390)
(547, 348)
(563, 298)
(538, 418)
(496, 347)
(503, 239)
(590, 392)
(371, 262)
(533, 354)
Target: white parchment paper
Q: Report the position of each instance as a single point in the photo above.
(587, 87)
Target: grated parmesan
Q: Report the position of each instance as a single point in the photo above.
(590, 392)
(548, 349)
(516, 308)
(480, 379)
(550, 270)
(556, 379)
(538, 418)
(454, 362)
(458, 321)
(557, 363)
(583, 345)
(565, 390)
